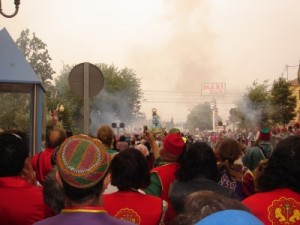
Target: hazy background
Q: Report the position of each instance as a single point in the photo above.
(172, 45)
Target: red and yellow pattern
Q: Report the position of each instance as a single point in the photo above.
(284, 211)
(129, 215)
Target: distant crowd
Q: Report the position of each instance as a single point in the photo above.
(241, 177)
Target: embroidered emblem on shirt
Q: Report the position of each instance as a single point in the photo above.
(284, 211)
(225, 181)
(129, 215)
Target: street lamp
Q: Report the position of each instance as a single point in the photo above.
(17, 3)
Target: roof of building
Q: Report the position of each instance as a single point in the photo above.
(13, 65)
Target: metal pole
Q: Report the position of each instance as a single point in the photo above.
(214, 118)
(86, 109)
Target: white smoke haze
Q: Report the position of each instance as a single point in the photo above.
(120, 112)
(252, 115)
(184, 60)
(172, 45)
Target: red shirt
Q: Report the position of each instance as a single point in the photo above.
(166, 174)
(134, 206)
(277, 207)
(41, 164)
(21, 203)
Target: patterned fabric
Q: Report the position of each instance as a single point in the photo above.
(82, 161)
(277, 207)
(243, 188)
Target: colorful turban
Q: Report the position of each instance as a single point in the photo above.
(82, 161)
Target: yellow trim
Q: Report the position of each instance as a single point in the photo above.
(84, 210)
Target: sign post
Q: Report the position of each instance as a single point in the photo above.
(86, 80)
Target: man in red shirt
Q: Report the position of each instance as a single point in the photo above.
(21, 202)
(163, 176)
(43, 162)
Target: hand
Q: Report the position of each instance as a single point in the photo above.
(28, 173)
(149, 136)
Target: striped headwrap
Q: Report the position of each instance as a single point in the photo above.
(82, 161)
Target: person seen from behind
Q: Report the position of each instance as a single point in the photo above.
(82, 167)
(43, 162)
(201, 204)
(277, 181)
(106, 135)
(198, 171)
(130, 173)
(21, 201)
(234, 176)
(261, 150)
(163, 176)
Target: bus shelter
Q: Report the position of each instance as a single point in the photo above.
(21, 93)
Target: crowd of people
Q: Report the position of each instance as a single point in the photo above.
(242, 177)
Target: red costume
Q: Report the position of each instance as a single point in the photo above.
(135, 207)
(21, 203)
(41, 164)
(166, 175)
(277, 207)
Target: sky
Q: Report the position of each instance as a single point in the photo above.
(173, 46)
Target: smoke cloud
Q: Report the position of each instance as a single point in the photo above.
(187, 53)
(185, 59)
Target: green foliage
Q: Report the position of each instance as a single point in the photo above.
(254, 108)
(120, 98)
(36, 53)
(201, 117)
(15, 111)
(265, 106)
(283, 102)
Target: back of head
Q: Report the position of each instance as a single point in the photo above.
(106, 135)
(173, 146)
(201, 204)
(14, 150)
(264, 134)
(228, 149)
(129, 170)
(198, 160)
(282, 170)
(230, 217)
(143, 149)
(82, 163)
(55, 137)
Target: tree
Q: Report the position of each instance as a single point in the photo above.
(283, 102)
(12, 115)
(120, 99)
(253, 109)
(36, 53)
(201, 117)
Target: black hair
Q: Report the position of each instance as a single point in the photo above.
(80, 195)
(14, 150)
(198, 160)
(129, 170)
(283, 168)
(52, 192)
